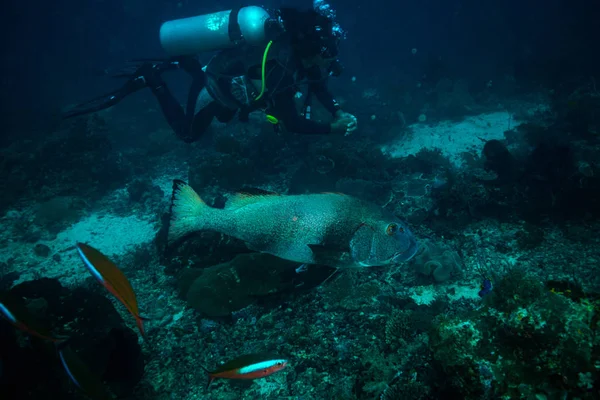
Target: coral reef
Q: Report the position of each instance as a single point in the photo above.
(399, 327)
(522, 336)
(496, 175)
(436, 261)
(222, 289)
(96, 332)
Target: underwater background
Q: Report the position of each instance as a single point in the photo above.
(479, 126)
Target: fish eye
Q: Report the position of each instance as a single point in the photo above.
(392, 229)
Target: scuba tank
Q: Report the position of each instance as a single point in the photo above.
(217, 31)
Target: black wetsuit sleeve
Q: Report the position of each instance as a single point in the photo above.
(284, 108)
(319, 88)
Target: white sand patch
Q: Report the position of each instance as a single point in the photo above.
(453, 137)
(108, 233)
(458, 292)
(423, 294)
(112, 235)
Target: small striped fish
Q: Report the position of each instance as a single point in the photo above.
(249, 366)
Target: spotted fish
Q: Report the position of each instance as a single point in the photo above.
(327, 228)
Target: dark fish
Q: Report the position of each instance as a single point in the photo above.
(19, 316)
(80, 374)
(109, 275)
(249, 366)
(486, 287)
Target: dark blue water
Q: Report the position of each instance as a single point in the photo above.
(472, 125)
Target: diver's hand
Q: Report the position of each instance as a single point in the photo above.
(341, 125)
(349, 119)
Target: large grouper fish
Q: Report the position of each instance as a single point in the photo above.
(327, 228)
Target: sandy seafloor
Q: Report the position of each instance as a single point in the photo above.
(117, 235)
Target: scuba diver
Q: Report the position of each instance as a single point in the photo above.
(261, 64)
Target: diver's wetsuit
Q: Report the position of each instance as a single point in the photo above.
(282, 80)
(284, 106)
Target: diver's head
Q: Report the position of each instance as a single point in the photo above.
(312, 36)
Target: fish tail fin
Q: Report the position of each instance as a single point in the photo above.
(210, 381)
(187, 210)
(139, 321)
(61, 342)
(210, 377)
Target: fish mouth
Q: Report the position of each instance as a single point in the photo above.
(406, 255)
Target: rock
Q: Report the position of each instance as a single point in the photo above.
(140, 191)
(307, 180)
(41, 250)
(436, 261)
(136, 190)
(260, 278)
(200, 250)
(377, 193)
(97, 334)
(228, 172)
(7, 278)
(228, 287)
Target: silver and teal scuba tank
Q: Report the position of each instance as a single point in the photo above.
(217, 31)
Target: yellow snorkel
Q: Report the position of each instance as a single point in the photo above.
(263, 73)
(271, 118)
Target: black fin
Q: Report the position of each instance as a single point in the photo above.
(177, 183)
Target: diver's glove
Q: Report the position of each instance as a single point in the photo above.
(344, 122)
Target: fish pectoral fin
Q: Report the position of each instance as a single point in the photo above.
(247, 196)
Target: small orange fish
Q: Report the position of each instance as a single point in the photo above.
(249, 366)
(111, 277)
(18, 315)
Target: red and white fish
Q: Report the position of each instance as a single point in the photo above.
(17, 314)
(249, 366)
(111, 277)
(12, 310)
